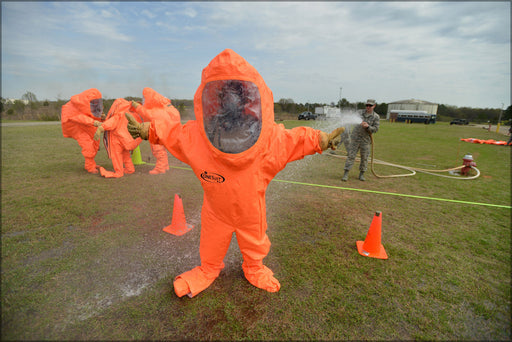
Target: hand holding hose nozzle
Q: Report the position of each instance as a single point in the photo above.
(137, 129)
(336, 141)
(329, 140)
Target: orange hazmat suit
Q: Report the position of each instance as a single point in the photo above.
(154, 106)
(119, 141)
(235, 149)
(77, 120)
(482, 141)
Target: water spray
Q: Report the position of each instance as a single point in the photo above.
(349, 118)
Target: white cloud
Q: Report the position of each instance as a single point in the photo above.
(189, 12)
(148, 14)
(106, 14)
(450, 52)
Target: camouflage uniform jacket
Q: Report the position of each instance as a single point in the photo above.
(363, 134)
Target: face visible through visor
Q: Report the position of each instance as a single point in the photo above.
(96, 107)
(232, 114)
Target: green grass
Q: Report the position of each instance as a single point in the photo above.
(84, 257)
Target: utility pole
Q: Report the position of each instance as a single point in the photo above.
(340, 98)
(499, 120)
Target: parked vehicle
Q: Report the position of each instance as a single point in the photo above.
(307, 116)
(412, 116)
(459, 122)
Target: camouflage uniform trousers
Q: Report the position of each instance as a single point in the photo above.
(344, 138)
(364, 148)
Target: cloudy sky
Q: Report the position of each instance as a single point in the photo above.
(452, 53)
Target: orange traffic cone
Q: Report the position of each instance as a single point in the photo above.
(372, 247)
(178, 224)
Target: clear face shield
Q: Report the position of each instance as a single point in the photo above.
(96, 107)
(232, 114)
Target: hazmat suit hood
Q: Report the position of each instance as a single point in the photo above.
(152, 99)
(77, 116)
(234, 108)
(83, 100)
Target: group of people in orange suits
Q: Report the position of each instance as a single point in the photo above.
(83, 120)
(234, 147)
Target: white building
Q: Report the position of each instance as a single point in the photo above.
(414, 105)
(11, 101)
(328, 112)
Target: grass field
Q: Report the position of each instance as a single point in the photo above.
(85, 258)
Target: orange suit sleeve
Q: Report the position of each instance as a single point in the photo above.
(294, 144)
(111, 123)
(82, 119)
(143, 113)
(177, 138)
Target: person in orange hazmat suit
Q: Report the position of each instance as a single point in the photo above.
(153, 105)
(235, 149)
(79, 119)
(118, 141)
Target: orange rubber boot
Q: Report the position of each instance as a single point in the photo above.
(162, 162)
(128, 164)
(194, 281)
(90, 165)
(181, 287)
(261, 276)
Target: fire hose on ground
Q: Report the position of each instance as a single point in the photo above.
(412, 170)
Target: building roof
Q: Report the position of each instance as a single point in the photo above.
(413, 101)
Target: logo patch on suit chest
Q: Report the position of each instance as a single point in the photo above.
(212, 177)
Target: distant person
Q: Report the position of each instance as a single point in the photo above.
(153, 106)
(360, 140)
(509, 133)
(79, 119)
(118, 141)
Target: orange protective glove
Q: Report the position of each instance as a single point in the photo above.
(336, 141)
(328, 140)
(100, 130)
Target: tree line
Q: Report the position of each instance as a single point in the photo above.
(444, 112)
(30, 108)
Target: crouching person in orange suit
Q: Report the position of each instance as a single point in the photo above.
(235, 149)
(153, 106)
(118, 140)
(79, 119)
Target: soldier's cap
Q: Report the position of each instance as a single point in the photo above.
(370, 102)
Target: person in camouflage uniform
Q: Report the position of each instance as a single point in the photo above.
(360, 140)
